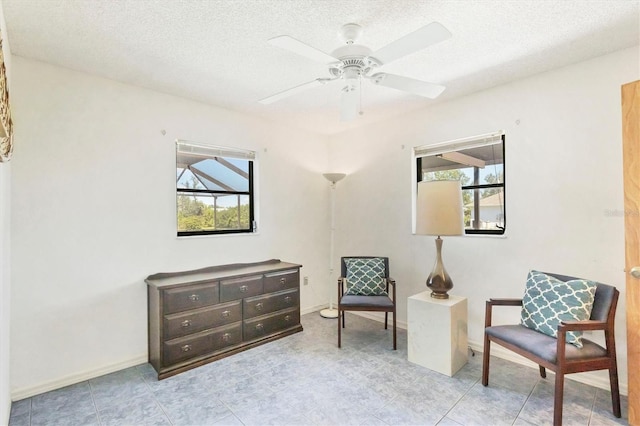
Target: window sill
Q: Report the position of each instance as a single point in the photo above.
(238, 234)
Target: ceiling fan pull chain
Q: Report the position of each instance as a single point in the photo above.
(360, 81)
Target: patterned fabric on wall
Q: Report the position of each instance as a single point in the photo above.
(6, 124)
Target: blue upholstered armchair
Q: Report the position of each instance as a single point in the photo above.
(364, 285)
(553, 341)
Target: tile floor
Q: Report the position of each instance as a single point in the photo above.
(304, 379)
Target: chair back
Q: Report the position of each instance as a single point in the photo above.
(604, 302)
(343, 264)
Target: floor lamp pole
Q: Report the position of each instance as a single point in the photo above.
(333, 178)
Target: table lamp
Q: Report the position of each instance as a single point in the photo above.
(439, 212)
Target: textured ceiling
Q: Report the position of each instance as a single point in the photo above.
(216, 51)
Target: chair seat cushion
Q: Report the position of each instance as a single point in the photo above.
(350, 301)
(542, 345)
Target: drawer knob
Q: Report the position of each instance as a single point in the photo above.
(259, 327)
(283, 281)
(226, 337)
(186, 348)
(243, 289)
(259, 306)
(194, 297)
(186, 323)
(288, 300)
(287, 318)
(225, 314)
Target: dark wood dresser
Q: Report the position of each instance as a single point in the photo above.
(199, 316)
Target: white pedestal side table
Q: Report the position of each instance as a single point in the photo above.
(437, 332)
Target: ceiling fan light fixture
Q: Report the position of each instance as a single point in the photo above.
(349, 103)
(351, 73)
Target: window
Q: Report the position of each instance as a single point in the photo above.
(215, 190)
(478, 163)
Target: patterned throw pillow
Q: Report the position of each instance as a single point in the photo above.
(365, 277)
(547, 301)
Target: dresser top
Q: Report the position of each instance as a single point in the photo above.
(212, 273)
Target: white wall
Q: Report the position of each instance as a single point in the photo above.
(93, 205)
(563, 176)
(93, 213)
(5, 253)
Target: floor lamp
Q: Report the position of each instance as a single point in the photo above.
(333, 178)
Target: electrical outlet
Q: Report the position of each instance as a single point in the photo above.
(305, 280)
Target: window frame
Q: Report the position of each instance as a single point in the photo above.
(223, 152)
(458, 145)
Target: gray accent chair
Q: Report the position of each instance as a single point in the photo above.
(384, 304)
(555, 354)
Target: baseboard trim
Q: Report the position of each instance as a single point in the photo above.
(586, 378)
(26, 392)
(304, 311)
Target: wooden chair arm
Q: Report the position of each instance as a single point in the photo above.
(341, 281)
(505, 302)
(498, 302)
(393, 283)
(565, 326)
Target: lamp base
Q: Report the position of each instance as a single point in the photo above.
(439, 295)
(329, 313)
(439, 282)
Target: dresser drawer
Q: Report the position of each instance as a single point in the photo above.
(203, 343)
(261, 305)
(281, 281)
(190, 297)
(181, 324)
(265, 325)
(239, 288)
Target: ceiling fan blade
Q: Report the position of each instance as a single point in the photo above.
(406, 84)
(296, 46)
(292, 91)
(426, 36)
(349, 103)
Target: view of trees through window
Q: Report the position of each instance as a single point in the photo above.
(201, 213)
(214, 193)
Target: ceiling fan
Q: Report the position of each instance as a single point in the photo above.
(353, 62)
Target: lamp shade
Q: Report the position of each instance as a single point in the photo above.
(439, 208)
(334, 177)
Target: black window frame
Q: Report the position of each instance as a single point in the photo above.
(218, 192)
(477, 186)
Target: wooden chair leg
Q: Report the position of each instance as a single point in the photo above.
(395, 345)
(343, 319)
(385, 319)
(615, 391)
(557, 399)
(543, 372)
(339, 329)
(485, 360)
